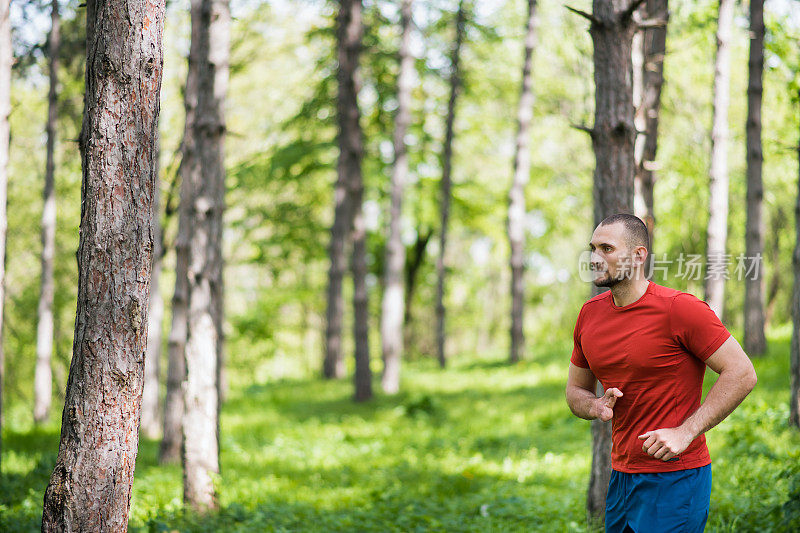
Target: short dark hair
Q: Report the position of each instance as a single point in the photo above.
(636, 233)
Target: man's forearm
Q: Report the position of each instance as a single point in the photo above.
(727, 393)
(582, 403)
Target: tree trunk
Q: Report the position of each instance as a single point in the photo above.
(755, 344)
(99, 427)
(612, 136)
(794, 357)
(172, 434)
(516, 196)
(349, 33)
(447, 165)
(651, 73)
(392, 306)
(43, 378)
(151, 417)
(170, 449)
(201, 401)
(5, 111)
(718, 170)
(777, 228)
(413, 264)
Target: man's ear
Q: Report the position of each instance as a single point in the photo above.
(640, 255)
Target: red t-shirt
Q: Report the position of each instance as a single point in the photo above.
(653, 350)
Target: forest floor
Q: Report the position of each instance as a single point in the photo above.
(481, 446)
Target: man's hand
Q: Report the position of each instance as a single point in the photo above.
(603, 407)
(582, 398)
(666, 443)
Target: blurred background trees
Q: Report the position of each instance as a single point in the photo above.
(686, 161)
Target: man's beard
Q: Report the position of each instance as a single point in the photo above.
(608, 281)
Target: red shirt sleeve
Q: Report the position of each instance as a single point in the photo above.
(578, 359)
(696, 327)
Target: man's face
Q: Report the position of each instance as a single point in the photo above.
(612, 261)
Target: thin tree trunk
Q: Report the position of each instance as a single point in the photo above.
(794, 357)
(151, 417)
(90, 488)
(201, 415)
(718, 170)
(447, 165)
(172, 434)
(777, 229)
(349, 33)
(392, 306)
(516, 196)
(755, 343)
(43, 378)
(413, 264)
(5, 111)
(613, 135)
(349, 30)
(170, 449)
(651, 73)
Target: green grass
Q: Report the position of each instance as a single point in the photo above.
(479, 447)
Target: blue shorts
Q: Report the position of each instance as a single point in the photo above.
(659, 502)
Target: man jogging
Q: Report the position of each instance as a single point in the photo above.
(649, 346)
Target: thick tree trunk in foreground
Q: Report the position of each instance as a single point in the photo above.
(5, 110)
(718, 170)
(90, 488)
(613, 134)
(201, 400)
(43, 377)
(392, 306)
(447, 166)
(794, 357)
(516, 196)
(755, 343)
(170, 450)
(150, 423)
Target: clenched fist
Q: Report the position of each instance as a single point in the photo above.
(666, 443)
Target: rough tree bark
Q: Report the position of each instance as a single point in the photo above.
(516, 195)
(718, 169)
(650, 72)
(392, 310)
(755, 343)
(794, 358)
(447, 166)
(612, 28)
(5, 111)
(150, 423)
(170, 449)
(201, 400)
(43, 377)
(90, 487)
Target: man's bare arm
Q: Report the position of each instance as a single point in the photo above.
(737, 377)
(583, 401)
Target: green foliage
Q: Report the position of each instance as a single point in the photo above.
(483, 446)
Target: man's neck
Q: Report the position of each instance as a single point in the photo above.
(628, 291)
